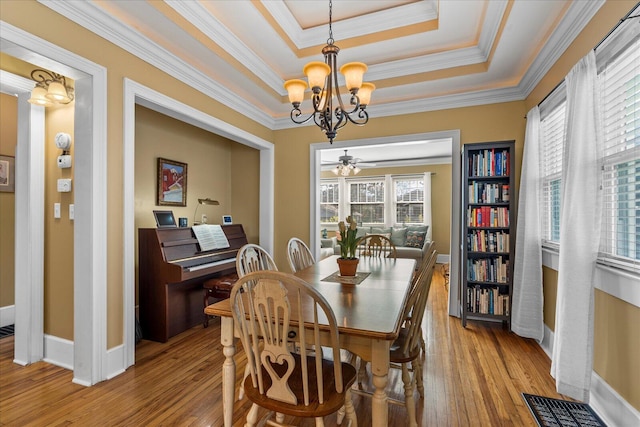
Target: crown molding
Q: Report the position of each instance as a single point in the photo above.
(216, 31)
(396, 17)
(490, 27)
(573, 22)
(94, 19)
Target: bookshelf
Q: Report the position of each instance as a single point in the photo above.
(488, 231)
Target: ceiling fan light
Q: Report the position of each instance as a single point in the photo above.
(295, 88)
(345, 171)
(57, 92)
(353, 73)
(336, 170)
(316, 73)
(39, 97)
(365, 93)
(356, 170)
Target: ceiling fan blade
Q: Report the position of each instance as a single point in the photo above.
(365, 164)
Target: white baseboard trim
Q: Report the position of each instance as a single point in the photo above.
(58, 351)
(115, 362)
(443, 259)
(7, 315)
(604, 400)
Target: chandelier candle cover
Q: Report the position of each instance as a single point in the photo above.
(323, 80)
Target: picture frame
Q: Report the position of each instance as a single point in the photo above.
(172, 183)
(7, 174)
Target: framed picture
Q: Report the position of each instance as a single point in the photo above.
(172, 183)
(7, 174)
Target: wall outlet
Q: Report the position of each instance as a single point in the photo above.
(64, 185)
(72, 211)
(204, 219)
(56, 210)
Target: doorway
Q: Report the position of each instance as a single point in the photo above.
(454, 137)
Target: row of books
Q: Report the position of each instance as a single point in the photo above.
(494, 269)
(487, 216)
(488, 241)
(489, 163)
(487, 301)
(481, 192)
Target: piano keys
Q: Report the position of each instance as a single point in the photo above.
(171, 272)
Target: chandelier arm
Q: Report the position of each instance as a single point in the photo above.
(295, 113)
(363, 118)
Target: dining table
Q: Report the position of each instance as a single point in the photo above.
(368, 308)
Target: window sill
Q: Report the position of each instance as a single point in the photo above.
(618, 283)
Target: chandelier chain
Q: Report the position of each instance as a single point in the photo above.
(330, 39)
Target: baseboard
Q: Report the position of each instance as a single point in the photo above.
(443, 258)
(115, 362)
(58, 351)
(604, 400)
(7, 315)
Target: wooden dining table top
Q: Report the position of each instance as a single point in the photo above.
(372, 308)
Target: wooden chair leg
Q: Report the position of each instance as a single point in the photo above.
(205, 322)
(252, 416)
(416, 366)
(349, 408)
(409, 401)
(362, 372)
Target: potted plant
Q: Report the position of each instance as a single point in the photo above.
(348, 241)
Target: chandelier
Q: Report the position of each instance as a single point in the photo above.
(50, 89)
(329, 111)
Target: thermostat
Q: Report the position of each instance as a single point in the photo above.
(64, 185)
(226, 220)
(64, 161)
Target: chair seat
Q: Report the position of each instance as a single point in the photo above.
(396, 353)
(332, 400)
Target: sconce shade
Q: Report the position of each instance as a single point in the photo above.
(365, 93)
(353, 72)
(296, 89)
(316, 73)
(57, 92)
(39, 97)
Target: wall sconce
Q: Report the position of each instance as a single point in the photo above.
(50, 89)
(206, 201)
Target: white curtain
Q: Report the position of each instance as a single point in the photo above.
(527, 305)
(572, 362)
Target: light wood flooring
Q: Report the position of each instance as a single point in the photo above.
(472, 377)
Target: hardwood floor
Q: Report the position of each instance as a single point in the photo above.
(472, 377)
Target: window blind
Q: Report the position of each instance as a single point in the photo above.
(619, 83)
(551, 146)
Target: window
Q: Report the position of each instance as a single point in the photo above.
(329, 201)
(409, 197)
(366, 201)
(620, 94)
(619, 83)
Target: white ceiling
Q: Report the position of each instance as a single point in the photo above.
(422, 54)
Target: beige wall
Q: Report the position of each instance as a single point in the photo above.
(8, 139)
(616, 337)
(504, 121)
(440, 197)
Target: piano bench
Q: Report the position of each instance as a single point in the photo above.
(219, 288)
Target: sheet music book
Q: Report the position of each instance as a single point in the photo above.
(210, 237)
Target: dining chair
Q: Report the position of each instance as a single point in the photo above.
(302, 384)
(406, 349)
(252, 257)
(376, 245)
(299, 255)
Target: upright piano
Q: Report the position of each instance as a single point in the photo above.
(171, 272)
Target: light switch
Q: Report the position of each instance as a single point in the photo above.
(71, 211)
(56, 210)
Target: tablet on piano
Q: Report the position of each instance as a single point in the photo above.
(165, 219)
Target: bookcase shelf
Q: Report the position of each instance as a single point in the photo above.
(488, 231)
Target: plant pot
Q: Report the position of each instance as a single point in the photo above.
(348, 266)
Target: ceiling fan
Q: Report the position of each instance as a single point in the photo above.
(348, 165)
